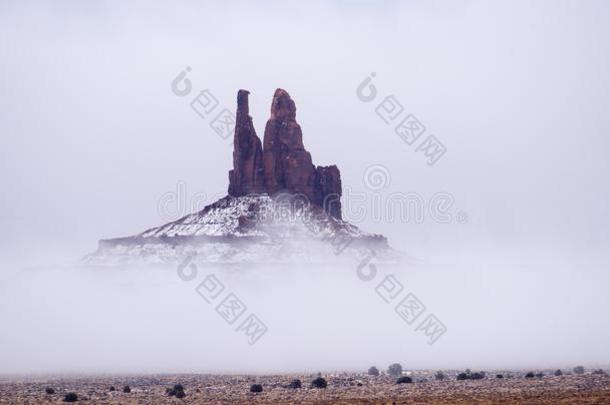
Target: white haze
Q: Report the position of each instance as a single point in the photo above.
(318, 319)
(91, 137)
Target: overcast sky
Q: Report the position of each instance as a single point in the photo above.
(92, 136)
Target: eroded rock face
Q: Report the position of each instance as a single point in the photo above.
(287, 164)
(327, 189)
(247, 175)
(283, 164)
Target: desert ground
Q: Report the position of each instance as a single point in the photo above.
(342, 388)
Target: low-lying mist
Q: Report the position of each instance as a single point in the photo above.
(525, 311)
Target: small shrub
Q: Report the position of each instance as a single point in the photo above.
(499, 376)
(256, 388)
(477, 376)
(126, 389)
(71, 397)
(295, 384)
(440, 376)
(539, 375)
(50, 391)
(529, 375)
(373, 371)
(579, 370)
(558, 373)
(111, 388)
(177, 391)
(404, 380)
(599, 372)
(319, 383)
(468, 375)
(395, 369)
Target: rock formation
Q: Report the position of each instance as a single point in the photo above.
(247, 175)
(283, 164)
(250, 225)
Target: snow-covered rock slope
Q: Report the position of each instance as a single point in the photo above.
(247, 229)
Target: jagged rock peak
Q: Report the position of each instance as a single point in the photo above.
(282, 164)
(242, 102)
(247, 175)
(282, 106)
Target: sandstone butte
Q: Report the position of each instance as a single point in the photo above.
(281, 164)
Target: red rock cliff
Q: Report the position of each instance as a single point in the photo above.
(247, 175)
(283, 164)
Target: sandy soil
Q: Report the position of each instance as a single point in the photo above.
(343, 388)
